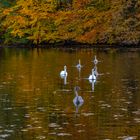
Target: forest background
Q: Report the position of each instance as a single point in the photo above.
(65, 21)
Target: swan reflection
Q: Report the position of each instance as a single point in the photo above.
(79, 72)
(65, 79)
(64, 74)
(92, 84)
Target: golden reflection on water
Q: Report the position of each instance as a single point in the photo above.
(35, 103)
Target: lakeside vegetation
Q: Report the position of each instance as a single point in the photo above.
(83, 21)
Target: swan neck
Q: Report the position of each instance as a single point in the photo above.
(79, 61)
(76, 93)
(92, 72)
(65, 68)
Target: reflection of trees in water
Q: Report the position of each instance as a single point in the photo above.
(131, 93)
(55, 112)
(130, 84)
(2, 53)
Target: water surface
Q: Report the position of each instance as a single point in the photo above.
(35, 103)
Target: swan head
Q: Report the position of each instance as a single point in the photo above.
(95, 68)
(65, 67)
(76, 88)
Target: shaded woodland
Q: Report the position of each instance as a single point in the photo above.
(62, 21)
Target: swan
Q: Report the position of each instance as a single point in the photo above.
(78, 100)
(79, 65)
(92, 76)
(64, 73)
(95, 60)
(95, 71)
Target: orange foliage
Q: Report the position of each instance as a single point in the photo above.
(89, 21)
(78, 4)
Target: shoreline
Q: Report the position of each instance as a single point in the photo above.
(75, 45)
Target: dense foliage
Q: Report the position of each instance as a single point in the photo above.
(84, 21)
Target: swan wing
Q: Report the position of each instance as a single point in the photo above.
(63, 73)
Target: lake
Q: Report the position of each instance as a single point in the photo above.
(37, 104)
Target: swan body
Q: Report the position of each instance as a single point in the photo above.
(64, 73)
(79, 65)
(92, 76)
(78, 100)
(95, 60)
(92, 81)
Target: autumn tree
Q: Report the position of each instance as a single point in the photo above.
(85, 21)
(31, 19)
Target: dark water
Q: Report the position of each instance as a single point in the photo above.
(36, 104)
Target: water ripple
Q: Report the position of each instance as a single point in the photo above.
(41, 137)
(87, 114)
(24, 130)
(8, 130)
(137, 120)
(137, 112)
(105, 105)
(81, 131)
(127, 137)
(53, 125)
(4, 135)
(52, 133)
(64, 134)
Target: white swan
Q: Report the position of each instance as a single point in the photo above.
(78, 100)
(92, 76)
(79, 65)
(64, 73)
(95, 71)
(95, 60)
